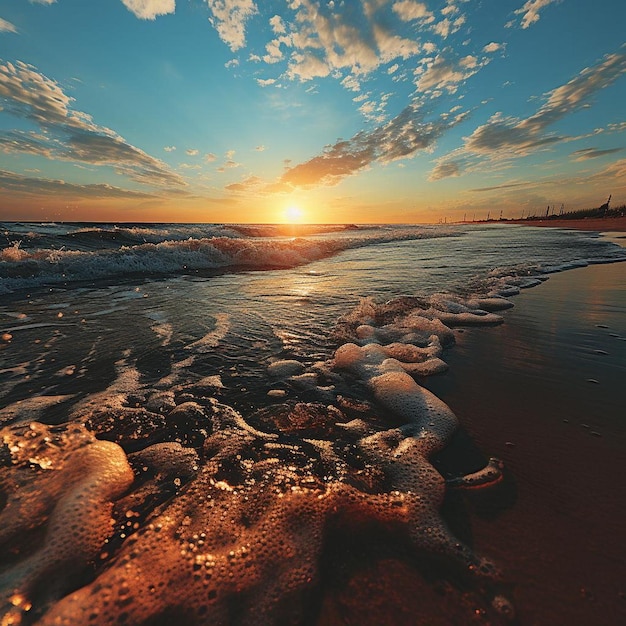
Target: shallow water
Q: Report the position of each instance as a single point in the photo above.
(141, 349)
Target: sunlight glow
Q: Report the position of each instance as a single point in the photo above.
(294, 215)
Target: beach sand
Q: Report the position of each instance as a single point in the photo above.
(545, 392)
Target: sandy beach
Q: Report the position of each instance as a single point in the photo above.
(547, 397)
(543, 392)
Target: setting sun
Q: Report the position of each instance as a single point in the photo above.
(294, 215)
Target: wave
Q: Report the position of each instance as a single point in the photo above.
(22, 268)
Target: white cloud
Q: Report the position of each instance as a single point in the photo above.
(265, 82)
(530, 11)
(169, 148)
(306, 67)
(493, 47)
(229, 19)
(442, 73)
(400, 138)
(260, 148)
(12, 183)
(278, 25)
(192, 152)
(505, 137)
(150, 9)
(408, 10)
(210, 157)
(67, 134)
(351, 83)
(7, 27)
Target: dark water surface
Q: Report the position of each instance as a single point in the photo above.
(222, 425)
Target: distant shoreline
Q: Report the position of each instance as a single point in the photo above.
(614, 224)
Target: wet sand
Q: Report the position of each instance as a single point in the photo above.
(545, 392)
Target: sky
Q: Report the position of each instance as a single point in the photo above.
(353, 111)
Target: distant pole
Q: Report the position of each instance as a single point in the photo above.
(474, 218)
(464, 214)
(488, 214)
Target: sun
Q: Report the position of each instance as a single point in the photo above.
(294, 215)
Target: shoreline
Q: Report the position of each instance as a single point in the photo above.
(544, 393)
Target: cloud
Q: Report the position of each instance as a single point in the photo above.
(593, 153)
(42, 1)
(11, 184)
(522, 135)
(68, 134)
(169, 148)
(7, 27)
(399, 138)
(409, 10)
(530, 11)
(445, 169)
(210, 157)
(277, 24)
(150, 9)
(347, 39)
(192, 152)
(260, 148)
(229, 19)
(265, 82)
(252, 183)
(493, 47)
(512, 185)
(444, 73)
(505, 137)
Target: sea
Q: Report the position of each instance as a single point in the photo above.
(219, 423)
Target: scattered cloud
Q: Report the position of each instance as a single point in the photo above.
(7, 27)
(67, 134)
(445, 73)
(593, 153)
(505, 137)
(493, 47)
(265, 82)
(530, 11)
(277, 24)
(12, 183)
(445, 169)
(209, 157)
(252, 183)
(260, 148)
(409, 10)
(150, 9)
(192, 152)
(229, 18)
(511, 185)
(400, 138)
(169, 148)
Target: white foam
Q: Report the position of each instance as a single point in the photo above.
(214, 337)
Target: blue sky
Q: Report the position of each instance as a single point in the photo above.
(353, 111)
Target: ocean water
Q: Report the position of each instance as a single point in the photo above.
(197, 419)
